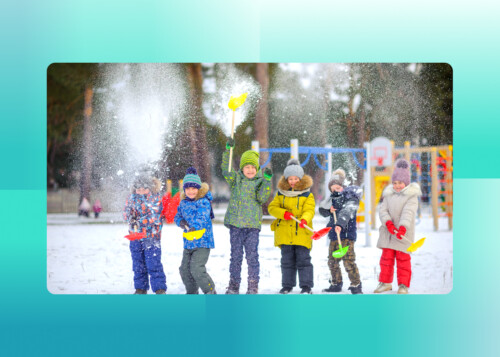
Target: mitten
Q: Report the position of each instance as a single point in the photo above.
(183, 224)
(288, 216)
(229, 143)
(268, 174)
(391, 227)
(401, 232)
(302, 223)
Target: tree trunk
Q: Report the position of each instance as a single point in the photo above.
(197, 125)
(87, 144)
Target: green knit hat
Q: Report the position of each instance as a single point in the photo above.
(250, 157)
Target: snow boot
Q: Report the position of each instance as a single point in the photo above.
(382, 287)
(211, 292)
(403, 289)
(356, 289)
(233, 288)
(334, 288)
(140, 292)
(160, 292)
(253, 287)
(306, 290)
(285, 290)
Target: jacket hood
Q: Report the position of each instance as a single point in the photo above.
(155, 186)
(202, 192)
(304, 184)
(410, 190)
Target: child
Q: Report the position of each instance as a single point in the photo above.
(97, 208)
(250, 189)
(294, 198)
(142, 212)
(193, 214)
(397, 214)
(344, 201)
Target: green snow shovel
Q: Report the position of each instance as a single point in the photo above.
(341, 251)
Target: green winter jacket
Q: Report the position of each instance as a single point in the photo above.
(247, 197)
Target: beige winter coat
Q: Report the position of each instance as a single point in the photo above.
(401, 209)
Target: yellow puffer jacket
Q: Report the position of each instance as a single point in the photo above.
(299, 202)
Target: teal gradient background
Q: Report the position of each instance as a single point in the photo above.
(36, 34)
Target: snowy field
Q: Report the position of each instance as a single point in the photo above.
(89, 256)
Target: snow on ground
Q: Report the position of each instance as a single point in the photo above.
(91, 256)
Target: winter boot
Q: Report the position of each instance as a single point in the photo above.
(334, 288)
(140, 292)
(306, 290)
(382, 287)
(403, 289)
(356, 289)
(160, 292)
(233, 288)
(211, 292)
(253, 287)
(285, 290)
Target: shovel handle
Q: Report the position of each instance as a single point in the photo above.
(306, 226)
(338, 234)
(231, 149)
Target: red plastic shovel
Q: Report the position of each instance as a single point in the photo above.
(316, 234)
(135, 235)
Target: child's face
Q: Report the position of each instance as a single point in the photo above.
(292, 180)
(398, 185)
(336, 188)
(142, 191)
(191, 192)
(249, 171)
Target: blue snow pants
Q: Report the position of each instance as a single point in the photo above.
(248, 239)
(146, 260)
(296, 258)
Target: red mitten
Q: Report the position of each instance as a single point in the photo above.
(288, 216)
(391, 227)
(401, 232)
(302, 223)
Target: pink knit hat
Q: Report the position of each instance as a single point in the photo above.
(401, 172)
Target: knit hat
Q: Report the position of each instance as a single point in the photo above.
(250, 157)
(338, 177)
(142, 181)
(401, 172)
(191, 179)
(293, 168)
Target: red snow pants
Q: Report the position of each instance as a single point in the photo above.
(403, 261)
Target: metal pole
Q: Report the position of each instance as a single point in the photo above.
(329, 170)
(368, 195)
(255, 145)
(294, 149)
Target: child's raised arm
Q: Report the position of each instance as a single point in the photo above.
(264, 189)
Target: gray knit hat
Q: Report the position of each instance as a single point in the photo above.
(401, 172)
(337, 178)
(293, 168)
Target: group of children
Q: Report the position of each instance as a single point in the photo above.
(293, 208)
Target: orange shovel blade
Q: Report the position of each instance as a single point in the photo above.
(135, 235)
(318, 234)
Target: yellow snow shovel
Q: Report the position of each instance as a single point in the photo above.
(414, 246)
(234, 103)
(194, 234)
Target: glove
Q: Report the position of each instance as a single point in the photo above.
(229, 143)
(302, 223)
(391, 227)
(268, 174)
(287, 216)
(191, 229)
(401, 232)
(183, 224)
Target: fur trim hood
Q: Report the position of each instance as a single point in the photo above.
(202, 192)
(303, 185)
(411, 190)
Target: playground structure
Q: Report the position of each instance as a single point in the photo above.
(431, 167)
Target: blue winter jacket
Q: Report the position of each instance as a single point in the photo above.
(144, 211)
(346, 203)
(198, 214)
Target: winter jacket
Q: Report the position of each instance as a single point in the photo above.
(198, 214)
(247, 197)
(144, 211)
(346, 204)
(401, 209)
(299, 202)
